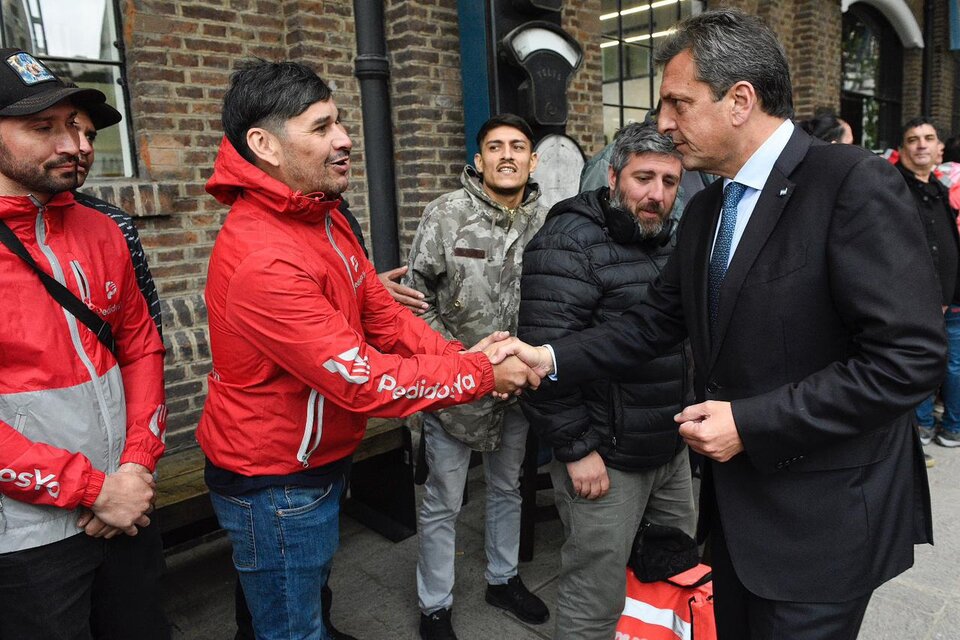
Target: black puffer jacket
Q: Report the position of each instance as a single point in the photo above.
(587, 264)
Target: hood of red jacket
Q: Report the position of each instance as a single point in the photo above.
(234, 178)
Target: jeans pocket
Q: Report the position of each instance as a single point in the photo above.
(303, 500)
(236, 518)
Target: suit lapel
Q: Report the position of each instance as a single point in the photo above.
(712, 196)
(773, 199)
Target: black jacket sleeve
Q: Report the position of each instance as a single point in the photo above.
(559, 293)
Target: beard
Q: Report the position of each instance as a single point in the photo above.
(309, 179)
(648, 228)
(39, 179)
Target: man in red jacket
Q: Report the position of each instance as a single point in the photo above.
(81, 423)
(306, 343)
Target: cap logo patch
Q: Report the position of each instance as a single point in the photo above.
(30, 70)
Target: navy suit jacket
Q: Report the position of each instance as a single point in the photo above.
(829, 334)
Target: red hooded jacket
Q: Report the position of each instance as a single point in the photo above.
(70, 412)
(306, 341)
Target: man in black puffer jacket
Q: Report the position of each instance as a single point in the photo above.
(618, 455)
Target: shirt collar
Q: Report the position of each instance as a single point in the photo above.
(756, 170)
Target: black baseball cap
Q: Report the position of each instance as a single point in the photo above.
(27, 86)
(101, 115)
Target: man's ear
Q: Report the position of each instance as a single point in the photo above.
(744, 98)
(264, 145)
(534, 159)
(478, 162)
(611, 177)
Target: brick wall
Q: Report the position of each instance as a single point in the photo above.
(810, 32)
(581, 20)
(816, 27)
(427, 100)
(944, 72)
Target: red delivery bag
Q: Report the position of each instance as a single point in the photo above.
(678, 608)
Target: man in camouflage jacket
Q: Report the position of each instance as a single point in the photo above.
(466, 259)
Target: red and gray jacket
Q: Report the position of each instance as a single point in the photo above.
(306, 341)
(70, 412)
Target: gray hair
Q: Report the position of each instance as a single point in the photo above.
(639, 137)
(729, 46)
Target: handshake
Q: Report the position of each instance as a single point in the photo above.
(516, 364)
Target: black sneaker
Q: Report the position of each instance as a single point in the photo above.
(948, 438)
(437, 626)
(517, 599)
(926, 434)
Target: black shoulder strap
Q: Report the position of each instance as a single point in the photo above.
(60, 293)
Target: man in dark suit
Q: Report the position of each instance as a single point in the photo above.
(813, 314)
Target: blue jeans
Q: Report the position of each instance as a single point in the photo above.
(449, 461)
(283, 539)
(950, 389)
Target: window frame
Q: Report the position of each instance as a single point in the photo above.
(622, 44)
(888, 92)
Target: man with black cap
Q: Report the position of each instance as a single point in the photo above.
(81, 385)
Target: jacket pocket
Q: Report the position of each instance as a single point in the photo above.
(20, 421)
(615, 415)
(83, 285)
(782, 266)
(864, 450)
(303, 500)
(236, 517)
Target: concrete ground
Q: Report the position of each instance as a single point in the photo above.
(374, 580)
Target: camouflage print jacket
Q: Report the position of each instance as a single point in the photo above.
(466, 259)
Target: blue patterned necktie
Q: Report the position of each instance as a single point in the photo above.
(721, 249)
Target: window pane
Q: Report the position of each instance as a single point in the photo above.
(638, 61)
(610, 52)
(634, 115)
(872, 88)
(609, 23)
(609, 6)
(667, 15)
(78, 29)
(861, 56)
(611, 92)
(611, 123)
(74, 29)
(637, 93)
(637, 18)
(870, 123)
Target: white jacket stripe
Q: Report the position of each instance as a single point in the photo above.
(661, 617)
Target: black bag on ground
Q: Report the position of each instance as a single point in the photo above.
(660, 552)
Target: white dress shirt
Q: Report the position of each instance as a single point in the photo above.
(753, 175)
